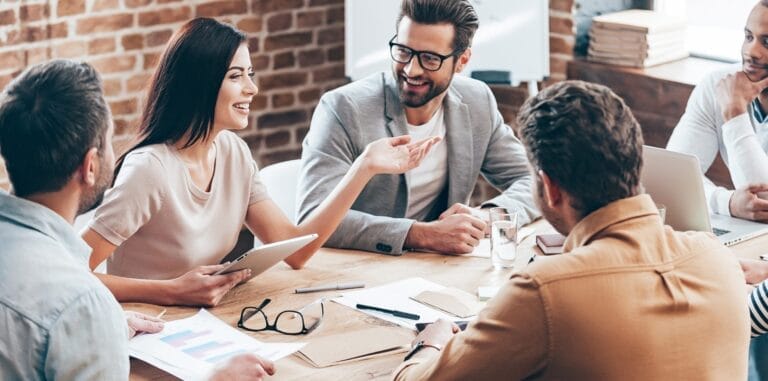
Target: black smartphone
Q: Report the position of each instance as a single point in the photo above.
(462, 325)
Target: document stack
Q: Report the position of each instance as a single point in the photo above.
(637, 38)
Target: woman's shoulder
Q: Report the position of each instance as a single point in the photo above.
(155, 157)
(231, 143)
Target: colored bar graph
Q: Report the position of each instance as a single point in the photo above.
(180, 339)
(219, 358)
(202, 350)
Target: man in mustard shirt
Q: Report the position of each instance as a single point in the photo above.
(629, 299)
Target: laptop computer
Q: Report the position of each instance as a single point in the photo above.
(261, 258)
(675, 180)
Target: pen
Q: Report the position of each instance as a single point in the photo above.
(161, 314)
(393, 312)
(764, 257)
(329, 287)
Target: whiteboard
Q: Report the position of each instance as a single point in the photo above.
(513, 36)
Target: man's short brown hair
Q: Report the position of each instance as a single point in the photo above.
(585, 138)
(459, 13)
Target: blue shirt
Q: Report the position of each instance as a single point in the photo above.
(57, 320)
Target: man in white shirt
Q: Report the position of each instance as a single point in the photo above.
(726, 113)
(425, 209)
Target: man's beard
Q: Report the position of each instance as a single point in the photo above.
(413, 100)
(92, 199)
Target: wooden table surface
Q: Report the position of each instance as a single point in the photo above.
(329, 266)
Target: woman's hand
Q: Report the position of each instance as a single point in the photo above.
(200, 287)
(396, 155)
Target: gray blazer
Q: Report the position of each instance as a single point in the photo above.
(350, 117)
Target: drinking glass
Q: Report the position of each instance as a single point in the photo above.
(503, 240)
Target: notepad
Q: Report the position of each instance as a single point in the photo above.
(451, 300)
(356, 345)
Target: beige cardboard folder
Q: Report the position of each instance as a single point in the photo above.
(356, 345)
(451, 300)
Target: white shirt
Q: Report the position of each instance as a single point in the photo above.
(742, 141)
(426, 181)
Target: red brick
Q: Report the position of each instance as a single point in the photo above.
(7, 17)
(12, 60)
(59, 30)
(123, 107)
(253, 44)
(112, 87)
(336, 53)
(283, 100)
(104, 23)
(33, 12)
(132, 41)
(279, 156)
(558, 65)
(330, 35)
(138, 83)
(301, 133)
(259, 102)
(221, 8)
(114, 64)
(315, 3)
(101, 45)
(5, 79)
(267, 6)
(312, 57)
(72, 49)
(158, 38)
(280, 21)
(309, 95)
(253, 141)
(289, 40)
(101, 5)
(124, 126)
(561, 5)
(164, 16)
(70, 7)
(250, 25)
(136, 3)
(309, 19)
(278, 139)
(559, 44)
(280, 119)
(260, 62)
(276, 81)
(334, 15)
(562, 25)
(33, 33)
(283, 60)
(328, 73)
(37, 55)
(150, 60)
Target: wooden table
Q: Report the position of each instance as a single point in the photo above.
(329, 266)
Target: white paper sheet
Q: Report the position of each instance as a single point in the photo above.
(190, 348)
(397, 296)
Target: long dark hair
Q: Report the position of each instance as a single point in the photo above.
(184, 88)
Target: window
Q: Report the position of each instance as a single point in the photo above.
(715, 27)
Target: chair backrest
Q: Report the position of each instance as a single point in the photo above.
(281, 180)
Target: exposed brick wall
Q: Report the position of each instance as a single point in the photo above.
(297, 49)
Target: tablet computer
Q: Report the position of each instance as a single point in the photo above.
(261, 258)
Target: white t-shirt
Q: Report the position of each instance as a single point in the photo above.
(426, 181)
(164, 225)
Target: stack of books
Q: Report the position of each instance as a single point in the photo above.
(637, 38)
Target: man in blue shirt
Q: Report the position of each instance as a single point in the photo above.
(58, 321)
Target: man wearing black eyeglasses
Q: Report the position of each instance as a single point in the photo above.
(421, 97)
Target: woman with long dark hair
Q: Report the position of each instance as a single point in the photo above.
(181, 195)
